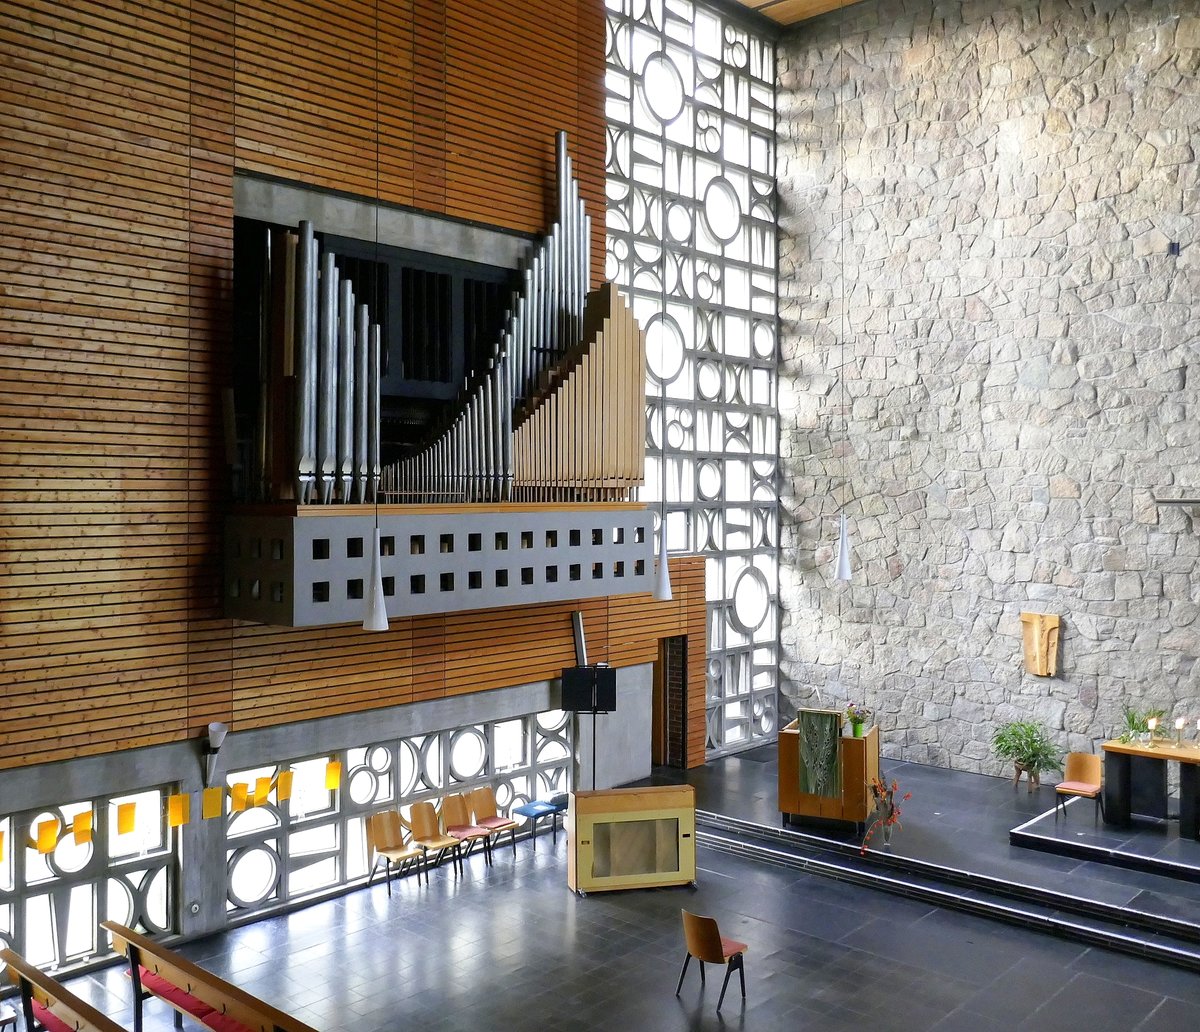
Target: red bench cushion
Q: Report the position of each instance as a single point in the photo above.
(176, 997)
(49, 1019)
(224, 1023)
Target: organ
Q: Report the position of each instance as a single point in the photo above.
(543, 445)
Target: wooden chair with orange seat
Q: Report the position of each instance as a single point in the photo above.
(1082, 776)
(483, 809)
(385, 841)
(704, 941)
(456, 819)
(428, 837)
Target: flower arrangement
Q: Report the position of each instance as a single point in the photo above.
(857, 713)
(887, 810)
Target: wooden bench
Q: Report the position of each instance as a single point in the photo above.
(192, 991)
(46, 1002)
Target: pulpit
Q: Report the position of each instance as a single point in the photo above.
(824, 773)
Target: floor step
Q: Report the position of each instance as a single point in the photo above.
(1152, 936)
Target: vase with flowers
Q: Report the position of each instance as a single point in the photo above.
(858, 715)
(887, 810)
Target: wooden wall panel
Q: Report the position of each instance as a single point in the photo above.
(123, 124)
(95, 352)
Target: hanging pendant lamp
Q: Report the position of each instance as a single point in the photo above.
(842, 563)
(842, 568)
(375, 618)
(662, 576)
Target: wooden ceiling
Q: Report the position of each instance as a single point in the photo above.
(791, 12)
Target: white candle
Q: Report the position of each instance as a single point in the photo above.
(1179, 723)
(1152, 724)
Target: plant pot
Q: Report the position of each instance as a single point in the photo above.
(1033, 775)
(856, 726)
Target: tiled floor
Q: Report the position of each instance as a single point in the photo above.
(512, 948)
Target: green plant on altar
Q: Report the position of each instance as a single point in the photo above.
(1137, 724)
(1029, 745)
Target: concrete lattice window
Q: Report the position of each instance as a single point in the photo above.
(691, 199)
(279, 853)
(51, 903)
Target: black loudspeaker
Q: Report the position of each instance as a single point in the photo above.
(589, 689)
(606, 688)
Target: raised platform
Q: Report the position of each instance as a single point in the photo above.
(955, 850)
(1148, 845)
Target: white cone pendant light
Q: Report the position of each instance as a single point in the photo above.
(662, 576)
(376, 618)
(842, 571)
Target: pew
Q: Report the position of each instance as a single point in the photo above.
(192, 991)
(49, 1004)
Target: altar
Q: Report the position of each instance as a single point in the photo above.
(1135, 782)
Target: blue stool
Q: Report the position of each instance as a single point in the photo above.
(539, 808)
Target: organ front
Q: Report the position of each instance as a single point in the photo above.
(496, 442)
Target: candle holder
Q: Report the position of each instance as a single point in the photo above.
(1179, 732)
(1151, 727)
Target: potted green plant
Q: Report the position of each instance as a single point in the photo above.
(1137, 727)
(1028, 744)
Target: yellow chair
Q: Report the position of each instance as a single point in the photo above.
(704, 942)
(428, 837)
(385, 841)
(456, 818)
(1081, 777)
(483, 808)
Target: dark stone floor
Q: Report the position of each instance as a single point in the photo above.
(511, 948)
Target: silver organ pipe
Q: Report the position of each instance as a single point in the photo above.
(327, 377)
(330, 347)
(345, 388)
(306, 363)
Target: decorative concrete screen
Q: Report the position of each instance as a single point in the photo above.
(314, 570)
(691, 239)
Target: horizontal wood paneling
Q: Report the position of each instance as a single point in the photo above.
(123, 124)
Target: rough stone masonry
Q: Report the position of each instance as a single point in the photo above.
(990, 359)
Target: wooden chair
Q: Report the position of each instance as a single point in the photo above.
(456, 818)
(1081, 777)
(385, 841)
(703, 940)
(483, 808)
(428, 837)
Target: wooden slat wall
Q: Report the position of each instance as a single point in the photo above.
(282, 676)
(123, 125)
(471, 93)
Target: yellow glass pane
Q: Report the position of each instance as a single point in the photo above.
(239, 793)
(82, 827)
(1, 847)
(47, 836)
(214, 802)
(262, 790)
(283, 786)
(179, 810)
(126, 818)
(333, 775)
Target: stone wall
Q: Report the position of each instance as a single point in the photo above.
(999, 185)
